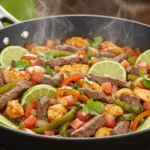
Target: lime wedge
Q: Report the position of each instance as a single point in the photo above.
(7, 123)
(144, 57)
(33, 93)
(10, 53)
(145, 125)
(108, 68)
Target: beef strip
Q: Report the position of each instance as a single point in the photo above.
(14, 93)
(1, 78)
(13, 62)
(131, 99)
(90, 127)
(54, 81)
(68, 48)
(148, 70)
(61, 61)
(97, 95)
(42, 107)
(133, 70)
(114, 81)
(121, 128)
(120, 57)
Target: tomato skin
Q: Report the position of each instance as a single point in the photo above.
(141, 85)
(49, 132)
(28, 110)
(142, 64)
(76, 124)
(82, 116)
(50, 44)
(125, 63)
(81, 52)
(36, 62)
(107, 88)
(29, 57)
(102, 46)
(110, 121)
(70, 100)
(36, 76)
(146, 105)
(30, 121)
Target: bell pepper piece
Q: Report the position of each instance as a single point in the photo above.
(63, 129)
(82, 52)
(7, 87)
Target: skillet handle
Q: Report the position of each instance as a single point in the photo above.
(6, 17)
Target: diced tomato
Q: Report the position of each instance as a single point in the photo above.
(22, 73)
(82, 116)
(102, 46)
(49, 132)
(125, 63)
(27, 45)
(76, 124)
(146, 105)
(36, 76)
(141, 85)
(29, 57)
(137, 52)
(142, 65)
(28, 110)
(50, 44)
(110, 121)
(30, 121)
(81, 52)
(36, 62)
(107, 88)
(69, 100)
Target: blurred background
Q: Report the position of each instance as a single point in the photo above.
(138, 10)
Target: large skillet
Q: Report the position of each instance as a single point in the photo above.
(121, 31)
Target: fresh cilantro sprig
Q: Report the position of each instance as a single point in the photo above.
(22, 64)
(48, 71)
(97, 42)
(45, 55)
(146, 79)
(93, 107)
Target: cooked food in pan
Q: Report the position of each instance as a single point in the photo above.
(76, 88)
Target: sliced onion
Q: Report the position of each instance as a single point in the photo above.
(28, 131)
(41, 123)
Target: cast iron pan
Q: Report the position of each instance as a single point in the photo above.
(120, 31)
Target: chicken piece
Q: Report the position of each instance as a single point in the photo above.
(104, 131)
(113, 110)
(89, 84)
(80, 68)
(14, 109)
(77, 42)
(56, 111)
(115, 49)
(142, 94)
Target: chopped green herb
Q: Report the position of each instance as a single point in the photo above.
(67, 73)
(80, 91)
(89, 55)
(97, 42)
(146, 79)
(48, 71)
(76, 86)
(22, 64)
(45, 55)
(93, 107)
(77, 104)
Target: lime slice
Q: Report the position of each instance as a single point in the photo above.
(144, 57)
(33, 93)
(145, 125)
(108, 68)
(10, 53)
(7, 123)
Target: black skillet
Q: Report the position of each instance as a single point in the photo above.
(120, 31)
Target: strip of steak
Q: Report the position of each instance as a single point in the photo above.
(42, 107)
(61, 61)
(131, 99)
(90, 127)
(14, 93)
(114, 81)
(133, 70)
(97, 95)
(120, 57)
(54, 81)
(121, 128)
(1, 78)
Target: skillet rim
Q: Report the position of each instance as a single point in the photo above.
(68, 138)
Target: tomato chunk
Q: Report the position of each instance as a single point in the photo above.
(107, 88)
(29, 57)
(28, 110)
(110, 121)
(82, 116)
(141, 85)
(82, 52)
(30, 121)
(36, 76)
(125, 63)
(49, 132)
(146, 105)
(36, 62)
(50, 44)
(76, 124)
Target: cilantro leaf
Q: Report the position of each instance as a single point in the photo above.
(97, 42)
(146, 81)
(45, 55)
(22, 64)
(77, 104)
(48, 71)
(142, 74)
(89, 55)
(93, 107)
